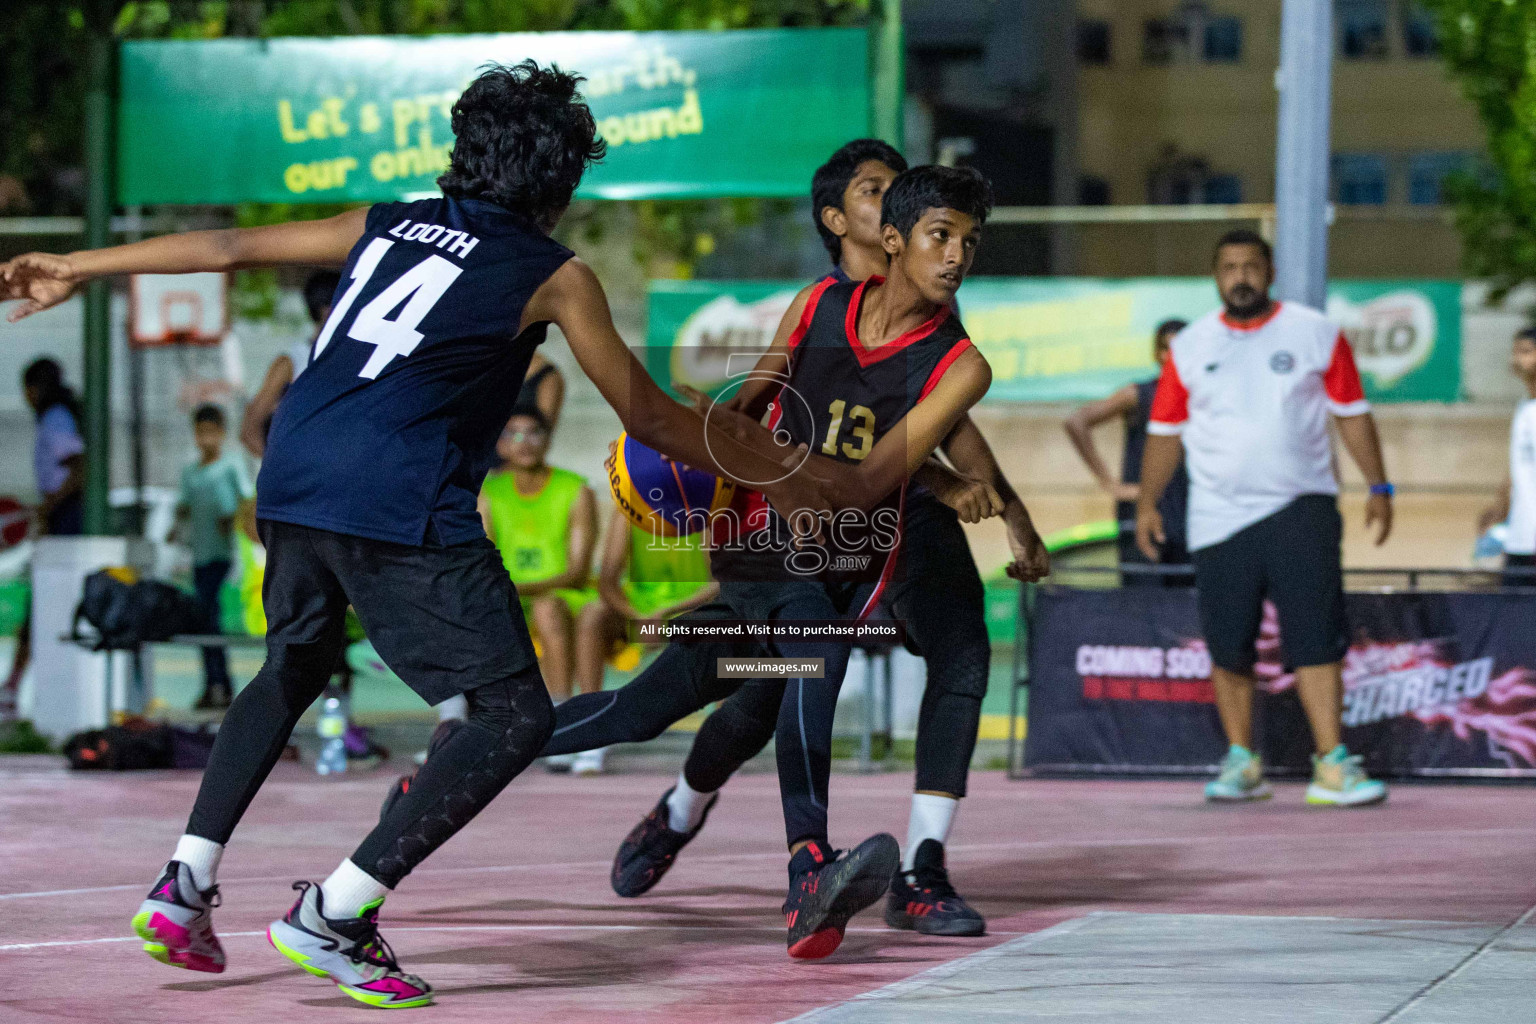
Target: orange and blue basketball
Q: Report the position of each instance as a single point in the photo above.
(657, 494)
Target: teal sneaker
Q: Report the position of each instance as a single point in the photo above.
(1338, 780)
(1241, 778)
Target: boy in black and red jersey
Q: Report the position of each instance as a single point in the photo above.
(938, 598)
(878, 374)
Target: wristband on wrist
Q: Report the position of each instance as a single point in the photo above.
(1385, 490)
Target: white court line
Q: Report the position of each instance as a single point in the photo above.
(395, 929)
(718, 858)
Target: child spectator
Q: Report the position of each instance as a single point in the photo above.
(212, 489)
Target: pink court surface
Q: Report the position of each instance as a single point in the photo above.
(514, 920)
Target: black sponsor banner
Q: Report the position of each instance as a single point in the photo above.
(1435, 684)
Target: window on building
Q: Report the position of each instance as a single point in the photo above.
(1179, 179)
(1092, 190)
(1093, 41)
(1360, 179)
(1165, 40)
(1362, 26)
(1224, 189)
(1427, 173)
(1224, 39)
(1420, 36)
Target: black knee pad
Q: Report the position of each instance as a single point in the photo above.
(519, 703)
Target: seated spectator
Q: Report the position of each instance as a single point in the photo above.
(544, 521)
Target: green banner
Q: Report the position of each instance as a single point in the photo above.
(1075, 339)
(746, 113)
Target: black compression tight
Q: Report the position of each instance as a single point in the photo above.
(509, 723)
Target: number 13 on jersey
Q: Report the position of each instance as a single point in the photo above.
(861, 428)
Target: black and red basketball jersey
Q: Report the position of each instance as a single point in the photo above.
(839, 400)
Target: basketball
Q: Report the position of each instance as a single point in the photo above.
(660, 495)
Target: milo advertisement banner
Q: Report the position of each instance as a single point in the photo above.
(1074, 339)
(1434, 685)
(368, 119)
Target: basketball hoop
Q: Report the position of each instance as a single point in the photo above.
(177, 309)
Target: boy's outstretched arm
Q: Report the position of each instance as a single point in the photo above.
(573, 300)
(42, 280)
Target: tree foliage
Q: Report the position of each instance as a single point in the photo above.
(1490, 47)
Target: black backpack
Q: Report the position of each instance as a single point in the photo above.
(125, 615)
(139, 744)
(134, 745)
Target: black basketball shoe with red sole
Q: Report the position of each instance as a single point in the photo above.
(826, 888)
(647, 853)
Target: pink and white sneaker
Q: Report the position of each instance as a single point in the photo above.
(347, 950)
(176, 922)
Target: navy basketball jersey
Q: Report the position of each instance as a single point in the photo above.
(391, 429)
(840, 399)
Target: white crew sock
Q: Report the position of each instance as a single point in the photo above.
(349, 890)
(202, 856)
(454, 708)
(931, 818)
(686, 806)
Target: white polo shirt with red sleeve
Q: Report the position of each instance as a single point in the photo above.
(1251, 403)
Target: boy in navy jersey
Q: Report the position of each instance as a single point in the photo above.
(367, 495)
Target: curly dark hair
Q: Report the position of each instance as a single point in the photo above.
(831, 179)
(522, 139)
(932, 187)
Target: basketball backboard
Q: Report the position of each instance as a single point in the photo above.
(171, 309)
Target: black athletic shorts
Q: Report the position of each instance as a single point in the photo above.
(1291, 557)
(445, 619)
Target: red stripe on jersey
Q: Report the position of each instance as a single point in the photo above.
(954, 353)
(1342, 379)
(890, 559)
(866, 356)
(809, 313)
(1252, 325)
(1170, 404)
(795, 337)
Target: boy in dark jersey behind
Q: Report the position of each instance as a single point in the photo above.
(367, 495)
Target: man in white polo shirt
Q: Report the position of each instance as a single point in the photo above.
(1249, 390)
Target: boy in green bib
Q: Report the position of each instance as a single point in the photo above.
(544, 522)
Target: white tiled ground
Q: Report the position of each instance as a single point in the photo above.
(1207, 969)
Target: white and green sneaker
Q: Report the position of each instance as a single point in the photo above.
(1338, 780)
(1241, 778)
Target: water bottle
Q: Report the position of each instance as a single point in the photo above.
(331, 729)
